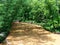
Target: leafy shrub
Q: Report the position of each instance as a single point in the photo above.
(45, 12)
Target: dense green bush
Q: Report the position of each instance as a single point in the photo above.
(45, 12)
(8, 12)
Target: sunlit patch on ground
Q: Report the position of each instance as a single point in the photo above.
(30, 34)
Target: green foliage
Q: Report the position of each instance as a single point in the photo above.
(44, 12)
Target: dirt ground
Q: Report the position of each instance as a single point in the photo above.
(30, 34)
